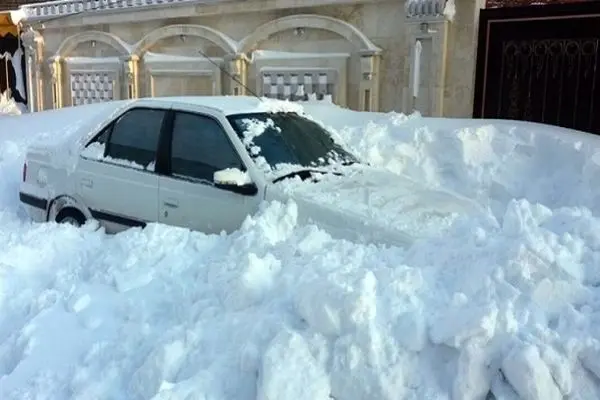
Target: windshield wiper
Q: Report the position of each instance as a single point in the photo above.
(304, 174)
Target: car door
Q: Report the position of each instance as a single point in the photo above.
(188, 196)
(115, 174)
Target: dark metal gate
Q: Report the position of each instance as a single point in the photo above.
(541, 64)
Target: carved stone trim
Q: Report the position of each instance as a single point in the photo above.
(425, 9)
(131, 68)
(55, 65)
(237, 66)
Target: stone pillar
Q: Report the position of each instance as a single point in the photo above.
(369, 82)
(55, 65)
(428, 43)
(237, 66)
(34, 44)
(131, 65)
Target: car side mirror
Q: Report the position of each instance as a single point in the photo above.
(236, 181)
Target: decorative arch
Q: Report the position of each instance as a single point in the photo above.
(313, 21)
(70, 43)
(218, 38)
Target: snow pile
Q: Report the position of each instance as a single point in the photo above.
(8, 106)
(282, 311)
(491, 161)
(17, 16)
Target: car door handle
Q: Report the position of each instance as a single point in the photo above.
(171, 203)
(87, 182)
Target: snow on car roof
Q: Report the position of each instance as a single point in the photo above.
(229, 105)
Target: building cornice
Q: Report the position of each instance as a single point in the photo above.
(89, 12)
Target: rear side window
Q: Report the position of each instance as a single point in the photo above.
(200, 147)
(134, 137)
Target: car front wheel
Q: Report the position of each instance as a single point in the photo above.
(70, 216)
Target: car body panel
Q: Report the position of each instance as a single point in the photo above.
(113, 192)
(202, 206)
(363, 204)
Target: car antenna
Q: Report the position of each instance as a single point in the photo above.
(229, 75)
(117, 2)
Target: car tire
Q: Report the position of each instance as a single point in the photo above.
(70, 216)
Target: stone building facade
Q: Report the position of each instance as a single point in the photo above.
(378, 55)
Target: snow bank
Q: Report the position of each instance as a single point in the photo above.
(281, 311)
(493, 161)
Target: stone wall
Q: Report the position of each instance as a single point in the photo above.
(362, 53)
(460, 65)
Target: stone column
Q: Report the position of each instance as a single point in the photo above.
(369, 82)
(33, 43)
(237, 66)
(55, 65)
(428, 43)
(131, 65)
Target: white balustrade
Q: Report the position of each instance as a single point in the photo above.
(52, 9)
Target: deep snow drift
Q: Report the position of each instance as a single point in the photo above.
(281, 311)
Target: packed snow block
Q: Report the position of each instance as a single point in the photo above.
(560, 368)
(529, 375)
(274, 223)
(160, 365)
(473, 377)
(590, 358)
(254, 283)
(455, 325)
(410, 330)
(525, 266)
(290, 372)
(521, 217)
(332, 309)
(364, 367)
(502, 389)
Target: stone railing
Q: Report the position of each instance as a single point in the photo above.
(58, 8)
(424, 8)
(53, 9)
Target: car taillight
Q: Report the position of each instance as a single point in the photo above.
(24, 172)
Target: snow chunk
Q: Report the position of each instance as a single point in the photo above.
(529, 375)
(458, 324)
(16, 16)
(450, 10)
(254, 283)
(332, 309)
(289, 356)
(8, 106)
(274, 105)
(232, 176)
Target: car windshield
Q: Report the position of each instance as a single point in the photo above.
(288, 138)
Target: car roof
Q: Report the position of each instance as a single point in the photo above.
(227, 105)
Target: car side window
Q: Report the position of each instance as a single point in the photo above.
(200, 147)
(135, 135)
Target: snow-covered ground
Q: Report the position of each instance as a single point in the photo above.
(279, 311)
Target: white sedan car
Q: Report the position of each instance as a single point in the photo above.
(206, 163)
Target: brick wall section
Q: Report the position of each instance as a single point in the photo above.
(14, 4)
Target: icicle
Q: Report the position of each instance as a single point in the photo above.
(417, 68)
